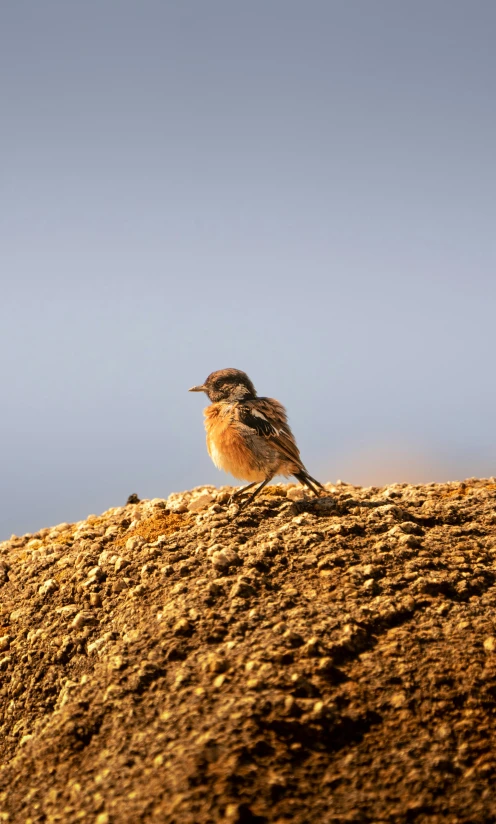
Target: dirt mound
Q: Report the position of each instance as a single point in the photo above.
(330, 659)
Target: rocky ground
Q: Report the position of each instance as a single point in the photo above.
(311, 660)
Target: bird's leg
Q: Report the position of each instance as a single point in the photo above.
(240, 491)
(254, 494)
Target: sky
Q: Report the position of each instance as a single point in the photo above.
(305, 190)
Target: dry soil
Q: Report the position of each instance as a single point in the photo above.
(329, 660)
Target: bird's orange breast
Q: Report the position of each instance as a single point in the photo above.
(227, 447)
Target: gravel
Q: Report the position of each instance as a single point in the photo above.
(324, 659)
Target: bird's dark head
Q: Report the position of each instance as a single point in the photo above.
(227, 385)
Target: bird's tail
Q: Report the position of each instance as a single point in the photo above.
(304, 478)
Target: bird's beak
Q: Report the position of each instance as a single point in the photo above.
(197, 389)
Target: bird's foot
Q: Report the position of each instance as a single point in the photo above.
(239, 493)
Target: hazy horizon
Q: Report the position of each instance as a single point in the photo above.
(305, 191)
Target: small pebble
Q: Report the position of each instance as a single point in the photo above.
(48, 587)
(197, 504)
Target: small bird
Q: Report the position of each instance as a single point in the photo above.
(248, 436)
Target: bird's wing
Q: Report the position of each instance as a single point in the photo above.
(267, 418)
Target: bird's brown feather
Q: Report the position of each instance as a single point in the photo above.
(227, 447)
(284, 440)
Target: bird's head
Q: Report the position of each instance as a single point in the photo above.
(227, 385)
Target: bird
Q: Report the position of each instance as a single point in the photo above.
(249, 436)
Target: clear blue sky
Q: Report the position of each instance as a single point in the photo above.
(303, 190)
